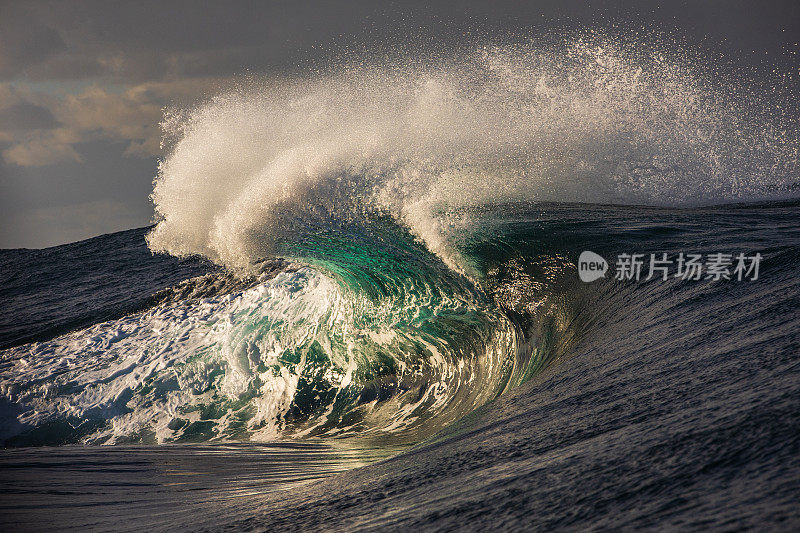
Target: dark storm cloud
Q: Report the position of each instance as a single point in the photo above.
(24, 116)
(147, 41)
(25, 41)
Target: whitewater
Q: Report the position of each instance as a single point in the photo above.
(379, 260)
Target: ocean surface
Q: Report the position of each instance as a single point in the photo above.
(361, 308)
(622, 404)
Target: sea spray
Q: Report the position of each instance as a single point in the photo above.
(588, 119)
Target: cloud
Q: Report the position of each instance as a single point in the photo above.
(48, 205)
(149, 40)
(25, 41)
(25, 116)
(44, 129)
(132, 115)
(41, 151)
(30, 132)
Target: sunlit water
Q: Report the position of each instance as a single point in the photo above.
(380, 261)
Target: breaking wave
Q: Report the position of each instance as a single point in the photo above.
(586, 120)
(359, 210)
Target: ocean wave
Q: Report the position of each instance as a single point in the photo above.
(388, 270)
(378, 345)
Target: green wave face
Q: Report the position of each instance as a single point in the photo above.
(419, 345)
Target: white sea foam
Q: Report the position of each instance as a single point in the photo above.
(142, 372)
(230, 367)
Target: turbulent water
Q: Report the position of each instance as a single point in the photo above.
(379, 257)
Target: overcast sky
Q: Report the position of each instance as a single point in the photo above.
(83, 84)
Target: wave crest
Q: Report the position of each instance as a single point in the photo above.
(587, 120)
